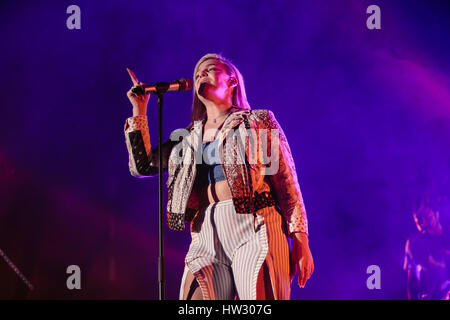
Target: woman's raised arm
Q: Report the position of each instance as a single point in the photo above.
(143, 161)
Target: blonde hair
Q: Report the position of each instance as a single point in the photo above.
(239, 96)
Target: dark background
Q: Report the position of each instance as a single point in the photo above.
(366, 113)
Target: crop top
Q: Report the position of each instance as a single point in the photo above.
(210, 170)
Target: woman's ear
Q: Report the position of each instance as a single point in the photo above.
(232, 82)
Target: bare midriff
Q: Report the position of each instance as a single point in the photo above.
(220, 190)
(214, 192)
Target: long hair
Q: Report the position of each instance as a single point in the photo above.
(239, 96)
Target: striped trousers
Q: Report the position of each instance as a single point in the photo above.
(238, 255)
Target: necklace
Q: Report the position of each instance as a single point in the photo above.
(227, 112)
(223, 114)
(215, 119)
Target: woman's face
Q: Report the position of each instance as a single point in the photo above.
(212, 81)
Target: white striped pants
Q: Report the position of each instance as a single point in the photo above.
(228, 251)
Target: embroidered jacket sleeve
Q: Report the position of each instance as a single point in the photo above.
(143, 161)
(284, 181)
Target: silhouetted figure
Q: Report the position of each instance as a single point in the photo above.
(427, 255)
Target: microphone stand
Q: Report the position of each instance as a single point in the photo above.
(159, 89)
(161, 271)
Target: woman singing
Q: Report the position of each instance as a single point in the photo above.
(241, 203)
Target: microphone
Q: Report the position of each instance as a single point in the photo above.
(161, 87)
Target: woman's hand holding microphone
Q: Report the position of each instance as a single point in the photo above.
(139, 101)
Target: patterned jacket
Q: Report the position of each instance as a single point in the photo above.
(254, 181)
